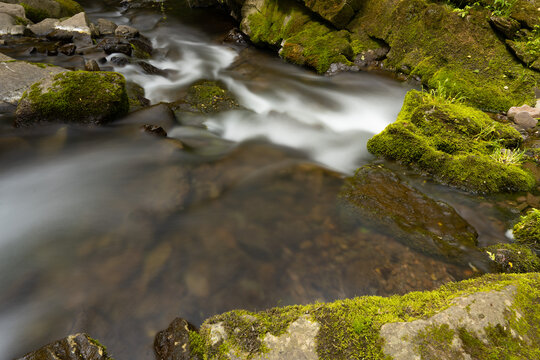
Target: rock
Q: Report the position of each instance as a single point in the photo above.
(513, 258)
(377, 197)
(126, 31)
(18, 76)
(151, 69)
(494, 316)
(527, 230)
(14, 10)
(154, 130)
(77, 24)
(68, 49)
(119, 60)
(450, 141)
(157, 116)
(525, 120)
(37, 10)
(105, 27)
(206, 97)
(44, 27)
(73, 347)
(505, 25)
(173, 343)
(371, 57)
(91, 65)
(337, 68)
(74, 97)
(513, 111)
(339, 13)
(142, 47)
(8, 26)
(236, 37)
(115, 45)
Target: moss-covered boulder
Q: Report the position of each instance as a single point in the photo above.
(206, 97)
(73, 347)
(527, 230)
(514, 258)
(75, 97)
(458, 145)
(37, 10)
(492, 317)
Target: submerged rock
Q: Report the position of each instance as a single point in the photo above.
(206, 97)
(379, 198)
(73, 347)
(78, 96)
(458, 145)
(492, 316)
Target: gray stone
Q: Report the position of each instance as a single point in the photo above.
(105, 27)
(17, 76)
(474, 313)
(126, 31)
(76, 24)
(91, 65)
(73, 347)
(6, 21)
(525, 120)
(44, 27)
(14, 10)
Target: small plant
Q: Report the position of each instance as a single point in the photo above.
(509, 157)
(442, 94)
(487, 133)
(362, 325)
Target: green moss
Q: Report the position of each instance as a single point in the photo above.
(514, 258)
(34, 14)
(435, 342)
(78, 96)
(69, 7)
(207, 97)
(303, 39)
(454, 143)
(349, 329)
(38, 13)
(527, 231)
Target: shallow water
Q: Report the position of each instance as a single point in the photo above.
(114, 233)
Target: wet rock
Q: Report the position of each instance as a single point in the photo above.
(154, 130)
(236, 37)
(339, 13)
(142, 47)
(505, 25)
(126, 31)
(337, 68)
(119, 60)
(376, 195)
(158, 116)
(105, 27)
(73, 347)
(78, 23)
(67, 49)
(206, 97)
(136, 96)
(371, 57)
(115, 45)
(8, 26)
(37, 10)
(75, 97)
(173, 343)
(44, 27)
(513, 258)
(525, 120)
(91, 65)
(14, 10)
(18, 76)
(151, 69)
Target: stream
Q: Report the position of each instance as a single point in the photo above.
(115, 233)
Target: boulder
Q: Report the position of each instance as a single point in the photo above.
(76, 24)
(206, 97)
(44, 27)
(18, 76)
(73, 347)
(453, 142)
(115, 45)
(38, 10)
(8, 26)
(494, 316)
(105, 27)
(126, 31)
(75, 97)
(527, 230)
(338, 12)
(15, 10)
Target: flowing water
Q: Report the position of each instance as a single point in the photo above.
(115, 233)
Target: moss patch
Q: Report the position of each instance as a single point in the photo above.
(37, 11)
(350, 328)
(78, 96)
(514, 258)
(457, 144)
(527, 231)
(206, 97)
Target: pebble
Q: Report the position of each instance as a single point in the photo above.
(525, 120)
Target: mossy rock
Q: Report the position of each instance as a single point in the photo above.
(38, 10)
(500, 310)
(455, 143)
(206, 97)
(514, 258)
(72, 347)
(527, 230)
(75, 97)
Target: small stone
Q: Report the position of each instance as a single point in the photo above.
(534, 112)
(105, 27)
(115, 45)
(151, 69)
(91, 65)
(525, 120)
(126, 31)
(173, 342)
(68, 49)
(154, 130)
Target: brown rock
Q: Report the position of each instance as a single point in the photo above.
(525, 120)
(73, 347)
(513, 111)
(91, 65)
(173, 343)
